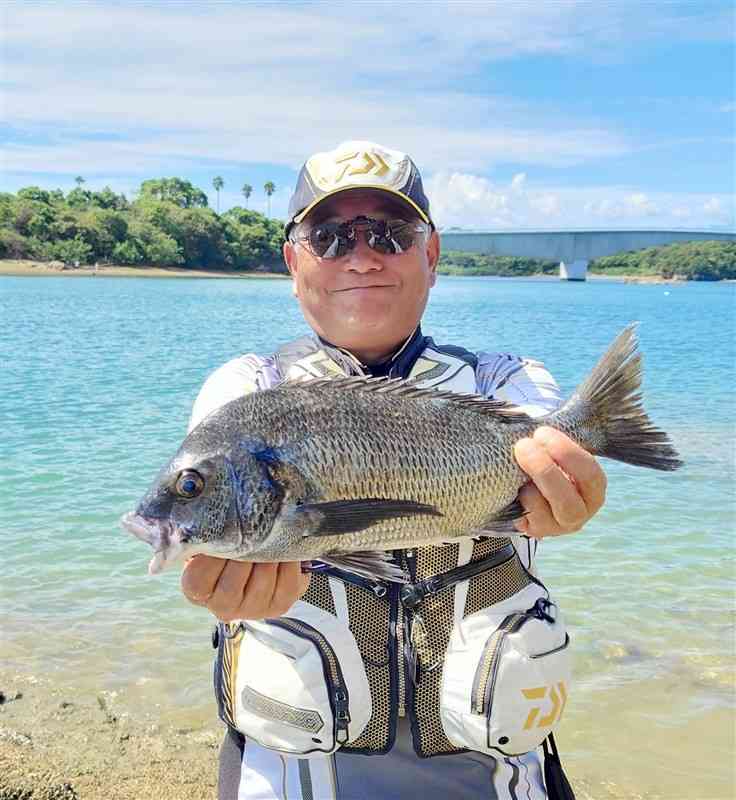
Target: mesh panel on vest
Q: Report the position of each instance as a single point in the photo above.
(319, 593)
(370, 624)
(496, 585)
(437, 612)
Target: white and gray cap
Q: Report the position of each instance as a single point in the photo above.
(357, 165)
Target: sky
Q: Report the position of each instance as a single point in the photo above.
(553, 114)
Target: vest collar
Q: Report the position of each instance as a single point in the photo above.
(398, 365)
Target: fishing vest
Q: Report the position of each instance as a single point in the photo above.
(403, 645)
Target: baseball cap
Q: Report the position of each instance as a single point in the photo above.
(357, 165)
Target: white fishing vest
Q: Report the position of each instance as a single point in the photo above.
(482, 665)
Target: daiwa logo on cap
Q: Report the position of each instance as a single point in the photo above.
(357, 165)
(359, 162)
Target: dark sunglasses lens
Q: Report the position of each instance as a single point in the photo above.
(391, 236)
(328, 240)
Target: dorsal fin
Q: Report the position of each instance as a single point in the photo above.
(398, 387)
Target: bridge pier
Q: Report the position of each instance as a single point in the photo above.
(574, 271)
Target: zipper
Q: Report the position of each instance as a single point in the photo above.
(338, 689)
(408, 663)
(227, 639)
(487, 670)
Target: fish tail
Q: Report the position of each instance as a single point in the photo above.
(606, 415)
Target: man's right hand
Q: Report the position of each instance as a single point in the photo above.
(241, 589)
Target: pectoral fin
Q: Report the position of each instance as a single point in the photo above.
(348, 516)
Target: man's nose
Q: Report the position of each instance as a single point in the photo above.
(363, 258)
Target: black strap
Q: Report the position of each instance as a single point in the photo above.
(412, 594)
(558, 787)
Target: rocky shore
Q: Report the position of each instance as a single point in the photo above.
(56, 744)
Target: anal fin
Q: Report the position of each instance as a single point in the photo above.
(372, 564)
(502, 522)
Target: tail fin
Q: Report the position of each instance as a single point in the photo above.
(611, 405)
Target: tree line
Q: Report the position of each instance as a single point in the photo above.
(169, 223)
(700, 261)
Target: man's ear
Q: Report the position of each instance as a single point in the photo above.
(433, 255)
(291, 261)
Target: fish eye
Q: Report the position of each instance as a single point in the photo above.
(189, 484)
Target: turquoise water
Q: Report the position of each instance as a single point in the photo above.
(97, 379)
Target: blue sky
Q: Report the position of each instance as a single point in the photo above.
(540, 114)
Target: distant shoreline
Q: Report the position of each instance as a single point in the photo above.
(40, 269)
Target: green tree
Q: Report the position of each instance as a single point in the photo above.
(269, 188)
(79, 180)
(218, 183)
(174, 190)
(34, 193)
(247, 191)
(79, 198)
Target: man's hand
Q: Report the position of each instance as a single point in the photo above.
(243, 590)
(567, 485)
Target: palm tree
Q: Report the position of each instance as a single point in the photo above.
(247, 190)
(218, 183)
(269, 188)
(79, 180)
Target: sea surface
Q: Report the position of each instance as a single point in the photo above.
(97, 378)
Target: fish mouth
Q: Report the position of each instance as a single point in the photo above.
(166, 538)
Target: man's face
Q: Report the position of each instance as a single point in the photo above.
(364, 301)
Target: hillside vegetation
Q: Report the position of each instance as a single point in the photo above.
(700, 261)
(169, 224)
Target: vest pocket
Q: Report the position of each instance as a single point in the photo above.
(506, 675)
(296, 683)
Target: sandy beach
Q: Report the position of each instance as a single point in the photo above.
(44, 269)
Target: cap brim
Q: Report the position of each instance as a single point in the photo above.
(302, 214)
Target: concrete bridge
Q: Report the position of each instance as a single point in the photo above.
(573, 249)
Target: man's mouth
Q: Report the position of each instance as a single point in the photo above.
(363, 288)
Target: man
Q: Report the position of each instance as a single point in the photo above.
(363, 251)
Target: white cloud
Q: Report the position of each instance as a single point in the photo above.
(267, 82)
(640, 204)
(470, 201)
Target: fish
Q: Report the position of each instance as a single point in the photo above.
(341, 471)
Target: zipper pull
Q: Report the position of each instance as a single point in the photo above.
(539, 610)
(411, 662)
(342, 715)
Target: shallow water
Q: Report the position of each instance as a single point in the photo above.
(97, 380)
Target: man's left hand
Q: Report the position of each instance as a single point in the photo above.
(567, 485)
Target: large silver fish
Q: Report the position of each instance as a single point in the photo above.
(342, 470)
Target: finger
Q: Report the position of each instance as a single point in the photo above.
(579, 464)
(227, 597)
(199, 577)
(288, 588)
(539, 520)
(259, 591)
(565, 502)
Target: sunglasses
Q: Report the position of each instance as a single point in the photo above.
(329, 240)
